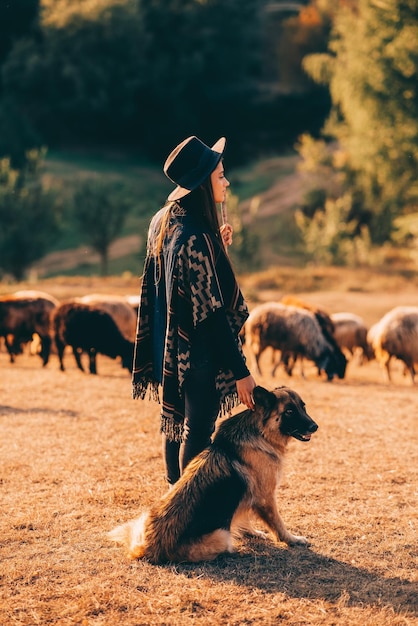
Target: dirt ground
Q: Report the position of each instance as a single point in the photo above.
(79, 456)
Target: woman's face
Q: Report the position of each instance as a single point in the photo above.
(219, 183)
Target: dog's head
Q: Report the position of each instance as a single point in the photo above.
(283, 410)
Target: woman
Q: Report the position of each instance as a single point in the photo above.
(191, 309)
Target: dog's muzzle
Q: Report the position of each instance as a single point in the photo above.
(306, 434)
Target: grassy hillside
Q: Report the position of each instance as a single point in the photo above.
(265, 193)
(254, 186)
(145, 184)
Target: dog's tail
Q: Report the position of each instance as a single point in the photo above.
(131, 536)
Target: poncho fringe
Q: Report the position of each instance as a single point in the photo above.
(141, 388)
(174, 430)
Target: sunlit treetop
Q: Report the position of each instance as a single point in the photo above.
(58, 13)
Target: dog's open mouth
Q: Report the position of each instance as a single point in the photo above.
(301, 436)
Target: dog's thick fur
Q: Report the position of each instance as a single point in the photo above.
(234, 477)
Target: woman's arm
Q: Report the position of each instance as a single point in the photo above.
(223, 346)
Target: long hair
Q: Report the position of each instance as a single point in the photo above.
(200, 203)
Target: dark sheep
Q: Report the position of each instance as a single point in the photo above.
(118, 307)
(88, 329)
(24, 314)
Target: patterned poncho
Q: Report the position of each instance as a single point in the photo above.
(191, 281)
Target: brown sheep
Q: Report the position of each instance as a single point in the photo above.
(323, 318)
(396, 335)
(350, 333)
(293, 331)
(327, 326)
(23, 314)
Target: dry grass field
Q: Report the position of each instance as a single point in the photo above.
(79, 456)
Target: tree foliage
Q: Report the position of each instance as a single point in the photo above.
(16, 20)
(371, 71)
(29, 215)
(82, 75)
(205, 60)
(148, 73)
(331, 237)
(17, 134)
(246, 244)
(100, 208)
(294, 38)
(128, 71)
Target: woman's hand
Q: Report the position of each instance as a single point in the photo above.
(226, 231)
(245, 388)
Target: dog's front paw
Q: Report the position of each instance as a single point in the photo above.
(297, 540)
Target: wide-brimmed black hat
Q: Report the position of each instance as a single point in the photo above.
(190, 163)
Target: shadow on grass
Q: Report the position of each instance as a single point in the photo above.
(6, 410)
(302, 573)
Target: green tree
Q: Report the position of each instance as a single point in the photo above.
(16, 20)
(204, 60)
(291, 39)
(29, 215)
(331, 237)
(17, 135)
(100, 208)
(371, 72)
(81, 76)
(128, 71)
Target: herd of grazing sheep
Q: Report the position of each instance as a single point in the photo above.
(297, 330)
(93, 324)
(292, 329)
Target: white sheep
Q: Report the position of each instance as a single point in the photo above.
(396, 335)
(350, 332)
(294, 331)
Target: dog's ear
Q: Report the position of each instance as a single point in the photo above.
(265, 399)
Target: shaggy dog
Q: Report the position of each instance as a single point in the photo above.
(234, 477)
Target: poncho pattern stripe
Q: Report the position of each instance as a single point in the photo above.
(202, 281)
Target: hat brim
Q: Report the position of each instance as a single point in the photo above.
(180, 192)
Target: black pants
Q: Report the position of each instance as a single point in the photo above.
(202, 404)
